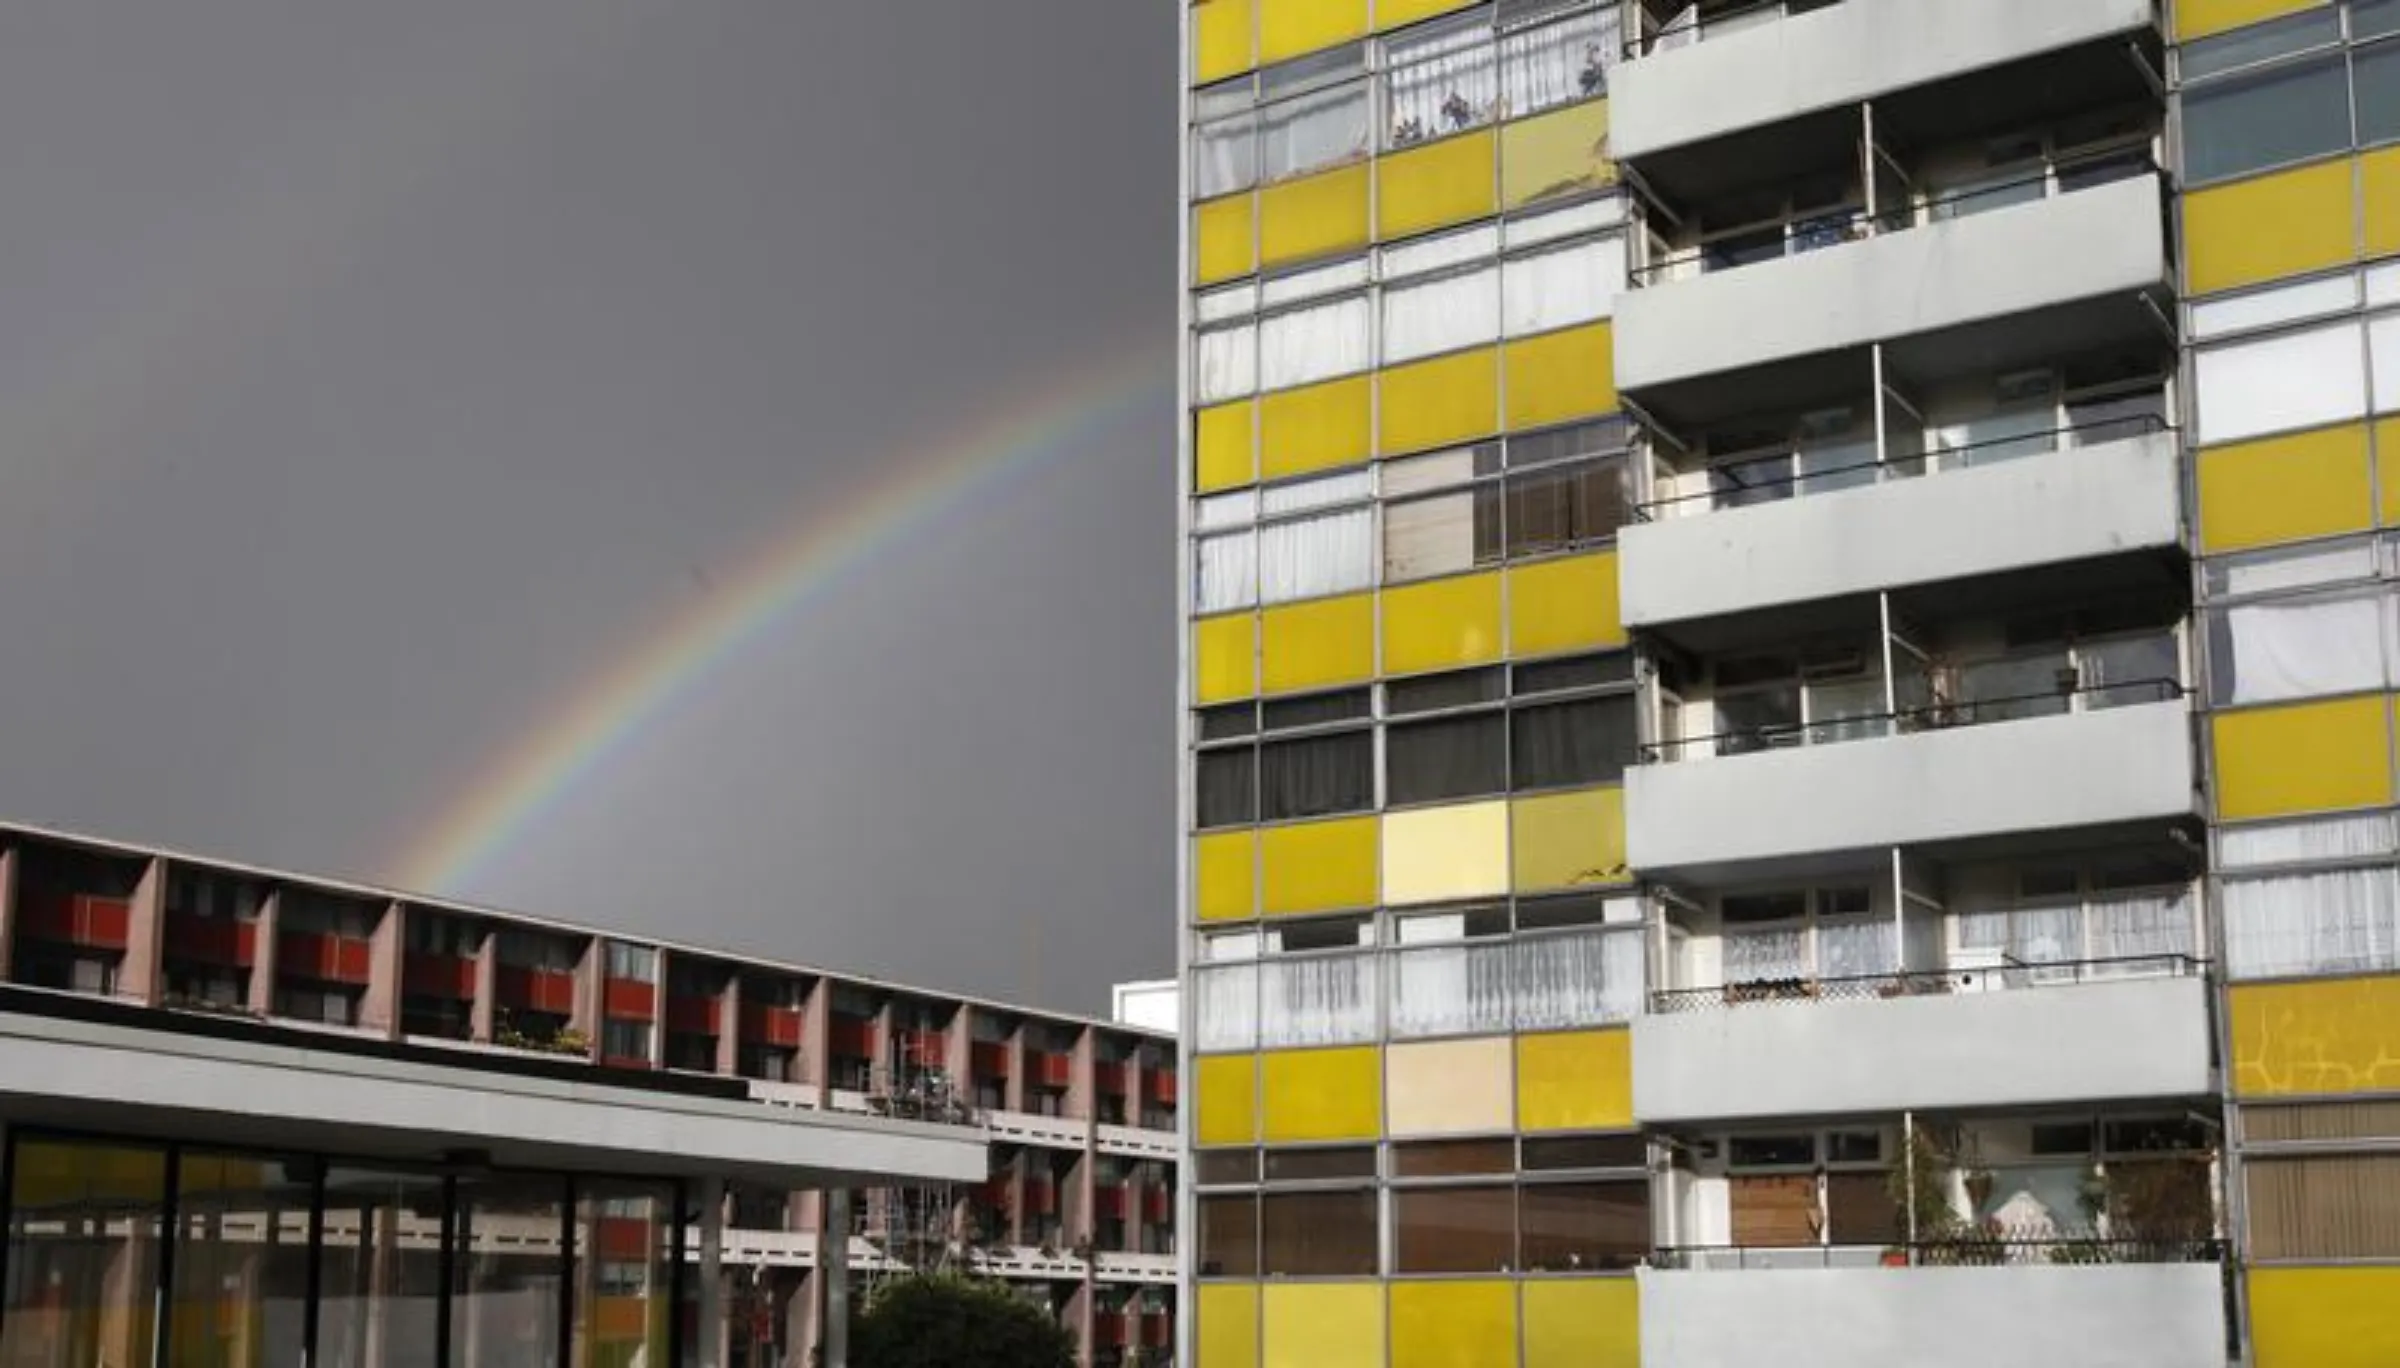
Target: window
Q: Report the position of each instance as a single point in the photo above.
(636, 962)
(2333, 921)
(1316, 776)
(1543, 65)
(625, 1040)
(1312, 131)
(1313, 342)
(2323, 1206)
(2250, 123)
(1455, 1230)
(1536, 495)
(1442, 78)
(2288, 648)
(1448, 758)
(1589, 741)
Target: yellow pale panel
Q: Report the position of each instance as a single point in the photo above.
(1312, 645)
(1224, 658)
(1223, 456)
(1438, 403)
(1226, 1334)
(1434, 854)
(1220, 40)
(1561, 153)
(1319, 866)
(1324, 1325)
(2285, 489)
(1453, 1324)
(1322, 1095)
(2387, 469)
(2315, 757)
(2311, 1039)
(2202, 18)
(2325, 1317)
(1564, 605)
(1560, 375)
(1567, 840)
(1451, 1087)
(1391, 14)
(2379, 196)
(1435, 186)
(1225, 876)
(1287, 28)
(1593, 1323)
(1315, 427)
(1228, 1105)
(1314, 216)
(1441, 624)
(1224, 242)
(2268, 228)
(1582, 1080)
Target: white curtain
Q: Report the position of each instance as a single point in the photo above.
(2383, 348)
(1226, 572)
(1442, 314)
(1322, 1000)
(1558, 63)
(1322, 128)
(2132, 926)
(1442, 80)
(1354, 486)
(2294, 380)
(2330, 838)
(2333, 922)
(1766, 954)
(1433, 536)
(1451, 990)
(1855, 949)
(1225, 364)
(1224, 156)
(1426, 255)
(1227, 1007)
(1313, 343)
(1561, 287)
(1309, 557)
(2300, 649)
(1220, 511)
(1583, 978)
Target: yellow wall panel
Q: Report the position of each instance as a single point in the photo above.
(1453, 1324)
(1437, 185)
(1441, 624)
(1323, 642)
(1321, 1095)
(2284, 489)
(1324, 1325)
(1449, 1087)
(1434, 854)
(2387, 471)
(1226, 1333)
(1319, 866)
(2379, 200)
(2325, 1317)
(2311, 1039)
(1567, 840)
(1221, 46)
(1560, 375)
(1223, 455)
(1287, 28)
(1315, 427)
(2203, 18)
(1224, 658)
(1582, 1080)
(1314, 216)
(1437, 403)
(1559, 153)
(2313, 757)
(2268, 228)
(1228, 1105)
(1224, 245)
(1564, 605)
(1225, 876)
(1586, 1323)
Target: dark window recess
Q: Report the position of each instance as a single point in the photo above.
(1455, 1230)
(1317, 777)
(2250, 123)
(1225, 723)
(1574, 909)
(1229, 1236)
(1217, 1168)
(1436, 693)
(1318, 1165)
(1316, 710)
(1452, 1158)
(1318, 1234)
(1590, 741)
(1228, 787)
(1586, 1152)
(1563, 509)
(1579, 672)
(1453, 757)
(1580, 1227)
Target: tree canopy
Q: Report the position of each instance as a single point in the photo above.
(945, 1320)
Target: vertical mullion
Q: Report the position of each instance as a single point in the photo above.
(566, 1271)
(676, 1277)
(162, 1324)
(446, 1266)
(309, 1313)
(8, 1209)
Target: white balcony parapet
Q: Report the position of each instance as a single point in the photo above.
(1135, 1141)
(1118, 1266)
(783, 1094)
(1033, 1128)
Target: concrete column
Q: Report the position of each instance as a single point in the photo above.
(837, 1280)
(379, 1007)
(8, 909)
(958, 1055)
(1012, 1097)
(586, 1016)
(816, 1037)
(145, 937)
(1080, 1082)
(711, 1310)
(658, 1011)
(262, 964)
(487, 987)
(729, 1027)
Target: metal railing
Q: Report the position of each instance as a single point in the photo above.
(1694, 27)
(1975, 1249)
(1915, 465)
(2009, 973)
(1800, 234)
(1940, 716)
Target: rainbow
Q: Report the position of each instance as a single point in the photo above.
(808, 558)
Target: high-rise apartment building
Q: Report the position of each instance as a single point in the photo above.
(1791, 648)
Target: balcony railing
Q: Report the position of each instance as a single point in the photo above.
(1936, 458)
(1922, 983)
(1981, 1249)
(1801, 234)
(1692, 26)
(1967, 711)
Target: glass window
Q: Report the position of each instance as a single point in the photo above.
(1451, 990)
(1582, 1227)
(2324, 1207)
(2333, 922)
(1589, 741)
(1453, 1158)
(1443, 78)
(1443, 534)
(241, 1260)
(636, 962)
(1229, 1234)
(511, 1273)
(1318, 1234)
(625, 1040)
(2260, 42)
(1316, 1000)
(1563, 286)
(1228, 1007)
(2321, 839)
(380, 1281)
(1225, 155)
(1310, 132)
(2250, 123)
(1563, 509)
(2372, 18)
(1227, 781)
(1318, 1165)
(1317, 776)
(1589, 978)
(1313, 557)
(2294, 648)
(624, 1310)
(1444, 313)
(85, 1221)
(1542, 65)
(1586, 1152)
(1225, 572)
(1434, 693)
(2282, 304)
(2375, 76)
(2294, 380)
(1455, 1230)
(1454, 757)
(1313, 342)
(1224, 363)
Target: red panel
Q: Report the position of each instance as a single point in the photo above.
(353, 961)
(996, 1191)
(211, 940)
(925, 1048)
(535, 990)
(1109, 1201)
(305, 955)
(1053, 1070)
(1158, 1330)
(1162, 1087)
(990, 1058)
(853, 1037)
(1158, 1204)
(777, 1026)
(1109, 1078)
(629, 999)
(1041, 1195)
(692, 1015)
(622, 1239)
(104, 923)
(439, 976)
(1108, 1327)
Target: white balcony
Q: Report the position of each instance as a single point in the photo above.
(2119, 1316)
(1780, 70)
(1135, 1142)
(2081, 503)
(1033, 1128)
(2100, 1040)
(1711, 815)
(1111, 1266)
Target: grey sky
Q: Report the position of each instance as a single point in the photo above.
(372, 375)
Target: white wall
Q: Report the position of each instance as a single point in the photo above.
(1154, 1005)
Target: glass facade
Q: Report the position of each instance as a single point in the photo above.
(126, 1253)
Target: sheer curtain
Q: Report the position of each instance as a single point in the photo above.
(2297, 649)
(1855, 949)
(1559, 62)
(1451, 990)
(1225, 363)
(1313, 343)
(2127, 926)
(1562, 287)
(1322, 1000)
(1583, 978)
(1322, 128)
(2318, 923)
(1441, 80)
(1333, 553)
(1225, 572)
(1442, 314)
(1225, 156)
(2329, 838)
(1773, 953)
(1228, 1007)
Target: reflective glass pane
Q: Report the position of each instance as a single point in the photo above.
(505, 1239)
(83, 1241)
(241, 1261)
(380, 1278)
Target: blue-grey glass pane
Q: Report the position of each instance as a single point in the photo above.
(2285, 115)
(2375, 72)
(2257, 43)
